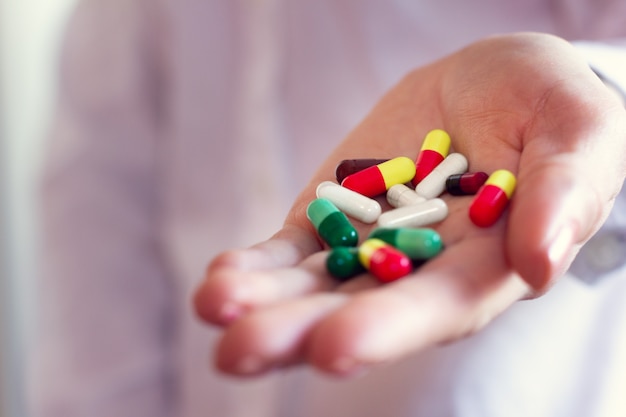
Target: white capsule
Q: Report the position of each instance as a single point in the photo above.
(418, 215)
(350, 202)
(435, 183)
(400, 195)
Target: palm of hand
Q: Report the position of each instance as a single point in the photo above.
(524, 103)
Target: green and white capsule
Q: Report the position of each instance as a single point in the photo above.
(332, 226)
(417, 244)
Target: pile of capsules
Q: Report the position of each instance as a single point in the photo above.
(400, 241)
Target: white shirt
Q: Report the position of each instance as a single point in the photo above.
(187, 127)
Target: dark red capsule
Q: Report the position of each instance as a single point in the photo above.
(465, 184)
(351, 166)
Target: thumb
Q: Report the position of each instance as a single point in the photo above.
(557, 207)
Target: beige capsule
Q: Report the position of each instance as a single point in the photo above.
(418, 215)
(400, 195)
(350, 202)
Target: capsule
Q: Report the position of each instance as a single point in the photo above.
(351, 166)
(343, 263)
(435, 183)
(400, 195)
(417, 244)
(350, 202)
(332, 226)
(434, 149)
(384, 261)
(379, 178)
(419, 215)
(492, 198)
(466, 184)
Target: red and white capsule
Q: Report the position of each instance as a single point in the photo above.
(434, 149)
(435, 183)
(492, 198)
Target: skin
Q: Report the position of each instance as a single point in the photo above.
(525, 102)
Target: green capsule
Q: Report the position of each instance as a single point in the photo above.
(343, 263)
(417, 244)
(331, 224)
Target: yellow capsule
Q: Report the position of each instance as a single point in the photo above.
(437, 140)
(503, 179)
(383, 261)
(434, 149)
(368, 248)
(492, 198)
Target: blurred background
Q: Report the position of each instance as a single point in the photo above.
(30, 32)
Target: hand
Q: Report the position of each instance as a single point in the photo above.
(524, 102)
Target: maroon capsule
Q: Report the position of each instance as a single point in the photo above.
(351, 166)
(465, 184)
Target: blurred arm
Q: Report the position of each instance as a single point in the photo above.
(103, 341)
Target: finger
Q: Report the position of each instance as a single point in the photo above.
(553, 212)
(229, 286)
(229, 293)
(452, 296)
(287, 247)
(274, 336)
(568, 179)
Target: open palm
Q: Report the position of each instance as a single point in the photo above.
(524, 102)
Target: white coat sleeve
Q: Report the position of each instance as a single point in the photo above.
(608, 60)
(103, 337)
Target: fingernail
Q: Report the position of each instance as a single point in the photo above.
(230, 312)
(249, 365)
(560, 249)
(348, 366)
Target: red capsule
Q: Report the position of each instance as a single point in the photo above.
(465, 184)
(351, 166)
(384, 261)
(434, 150)
(492, 198)
(379, 178)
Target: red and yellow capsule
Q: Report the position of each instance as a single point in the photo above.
(434, 150)
(492, 198)
(377, 179)
(384, 261)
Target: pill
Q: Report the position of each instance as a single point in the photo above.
(417, 244)
(343, 263)
(492, 198)
(434, 149)
(418, 215)
(332, 226)
(384, 261)
(351, 166)
(379, 178)
(400, 195)
(465, 184)
(435, 183)
(350, 202)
